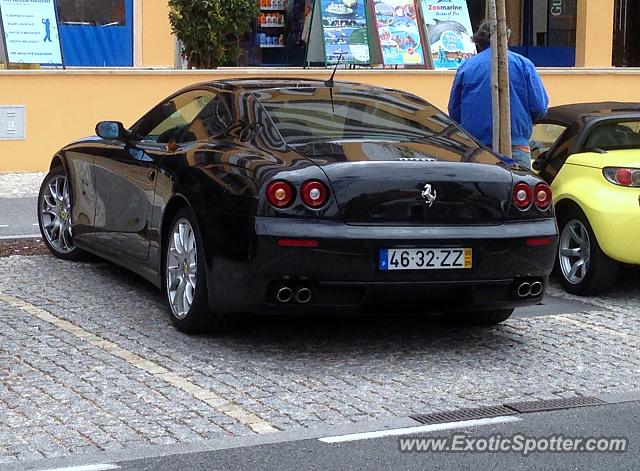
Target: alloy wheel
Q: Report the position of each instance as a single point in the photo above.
(181, 268)
(574, 251)
(55, 215)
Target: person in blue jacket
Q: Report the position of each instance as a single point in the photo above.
(470, 102)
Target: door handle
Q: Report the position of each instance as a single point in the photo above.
(152, 175)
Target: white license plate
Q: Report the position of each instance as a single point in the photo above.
(426, 259)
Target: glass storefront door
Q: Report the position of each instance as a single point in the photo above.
(96, 33)
(549, 32)
(626, 34)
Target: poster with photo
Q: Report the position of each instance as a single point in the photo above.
(448, 26)
(398, 32)
(344, 25)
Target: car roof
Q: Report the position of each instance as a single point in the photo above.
(585, 112)
(253, 84)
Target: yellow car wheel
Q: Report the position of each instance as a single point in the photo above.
(583, 267)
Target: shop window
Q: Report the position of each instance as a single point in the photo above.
(626, 40)
(96, 33)
(92, 13)
(552, 23)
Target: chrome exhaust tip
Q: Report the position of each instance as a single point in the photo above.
(536, 288)
(524, 290)
(303, 295)
(284, 294)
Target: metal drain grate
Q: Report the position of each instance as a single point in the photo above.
(463, 414)
(554, 404)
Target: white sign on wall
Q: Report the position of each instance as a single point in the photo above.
(31, 31)
(12, 123)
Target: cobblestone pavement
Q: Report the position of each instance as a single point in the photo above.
(20, 185)
(89, 361)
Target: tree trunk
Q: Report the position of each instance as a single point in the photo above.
(495, 92)
(503, 79)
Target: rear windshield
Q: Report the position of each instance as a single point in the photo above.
(615, 135)
(310, 115)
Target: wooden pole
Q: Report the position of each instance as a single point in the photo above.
(495, 93)
(503, 79)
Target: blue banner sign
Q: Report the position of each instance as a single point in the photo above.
(31, 31)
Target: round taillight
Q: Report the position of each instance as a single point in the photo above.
(624, 176)
(542, 196)
(522, 196)
(314, 194)
(280, 194)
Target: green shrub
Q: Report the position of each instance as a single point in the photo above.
(211, 30)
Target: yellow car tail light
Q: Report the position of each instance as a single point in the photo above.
(622, 176)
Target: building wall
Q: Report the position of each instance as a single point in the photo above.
(594, 33)
(61, 106)
(156, 43)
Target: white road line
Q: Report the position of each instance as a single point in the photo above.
(219, 403)
(420, 429)
(89, 467)
(4, 225)
(20, 237)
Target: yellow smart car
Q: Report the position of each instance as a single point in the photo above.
(589, 153)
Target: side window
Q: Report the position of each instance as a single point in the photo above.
(212, 121)
(615, 135)
(545, 135)
(170, 120)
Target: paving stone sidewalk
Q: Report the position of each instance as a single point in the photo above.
(63, 392)
(20, 185)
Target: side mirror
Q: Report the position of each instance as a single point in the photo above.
(540, 161)
(113, 130)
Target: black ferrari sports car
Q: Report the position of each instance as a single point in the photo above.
(302, 196)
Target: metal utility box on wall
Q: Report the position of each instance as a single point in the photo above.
(12, 123)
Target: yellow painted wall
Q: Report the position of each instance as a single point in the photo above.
(155, 34)
(61, 106)
(594, 33)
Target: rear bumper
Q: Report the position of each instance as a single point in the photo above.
(343, 274)
(616, 224)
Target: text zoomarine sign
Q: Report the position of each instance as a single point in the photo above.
(31, 31)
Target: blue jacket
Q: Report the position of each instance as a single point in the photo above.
(470, 101)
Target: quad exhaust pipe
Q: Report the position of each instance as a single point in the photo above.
(303, 295)
(284, 294)
(536, 288)
(300, 294)
(526, 289)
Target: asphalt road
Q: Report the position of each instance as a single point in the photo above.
(18, 217)
(612, 420)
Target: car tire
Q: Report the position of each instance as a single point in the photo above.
(184, 275)
(579, 248)
(55, 215)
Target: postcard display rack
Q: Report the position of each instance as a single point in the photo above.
(394, 33)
